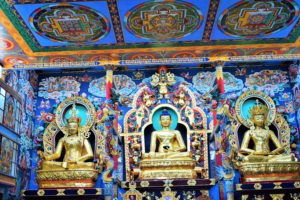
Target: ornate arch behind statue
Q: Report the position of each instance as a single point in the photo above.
(165, 91)
(262, 137)
(86, 112)
(71, 173)
(276, 121)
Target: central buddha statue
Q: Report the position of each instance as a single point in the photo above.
(261, 136)
(170, 159)
(171, 144)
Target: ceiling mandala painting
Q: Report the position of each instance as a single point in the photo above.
(164, 20)
(69, 23)
(76, 33)
(65, 24)
(257, 18)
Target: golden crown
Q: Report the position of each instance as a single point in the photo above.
(73, 118)
(259, 109)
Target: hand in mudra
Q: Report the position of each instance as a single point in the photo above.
(166, 148)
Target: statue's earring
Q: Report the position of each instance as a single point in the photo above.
(252, 127)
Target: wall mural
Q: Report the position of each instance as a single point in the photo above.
(269, 81)
(199, 83)
(10, 112)
(205, 81)
(6, 155)
(123, 88)
(24, 83)
(58, 87)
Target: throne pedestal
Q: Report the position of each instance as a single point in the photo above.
(177, 168)
(67, 178)
(266, 171)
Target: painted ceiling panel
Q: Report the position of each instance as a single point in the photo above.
(238, 20)
(40, 34)
(64, 24)
(153, 21)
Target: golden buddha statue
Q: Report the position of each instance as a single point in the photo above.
(261, 136)
(262, 156)
(170, 159)
(73, 171)
(171, 144)
(77, 150)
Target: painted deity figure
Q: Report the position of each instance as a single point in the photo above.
(262, 137)
(77, 149)
(171, 143)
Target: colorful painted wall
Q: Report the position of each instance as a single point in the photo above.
(53, 88)
(17, 111)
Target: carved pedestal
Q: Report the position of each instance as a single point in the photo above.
(167, 169)
(266, 171)
(66, 178)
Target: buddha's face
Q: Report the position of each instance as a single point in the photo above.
(73, 128)
(259, 120)
(165, 120)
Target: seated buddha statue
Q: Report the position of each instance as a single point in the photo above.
(262, 138)
(171, 144)
(77, 150)
(168, 157)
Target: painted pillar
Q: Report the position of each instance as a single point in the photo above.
(108, 191)
(109, 83)
(219, 77)
(221, 88)
(219, 155)
(116, 108)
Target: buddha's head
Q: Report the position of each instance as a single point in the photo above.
(73, 125)
(73, 122)
(165, 119)
(258, 114)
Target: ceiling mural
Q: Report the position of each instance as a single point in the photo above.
(64, 24)
(162, 21)
(253, 19)
(72, 33)
(69, 23)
